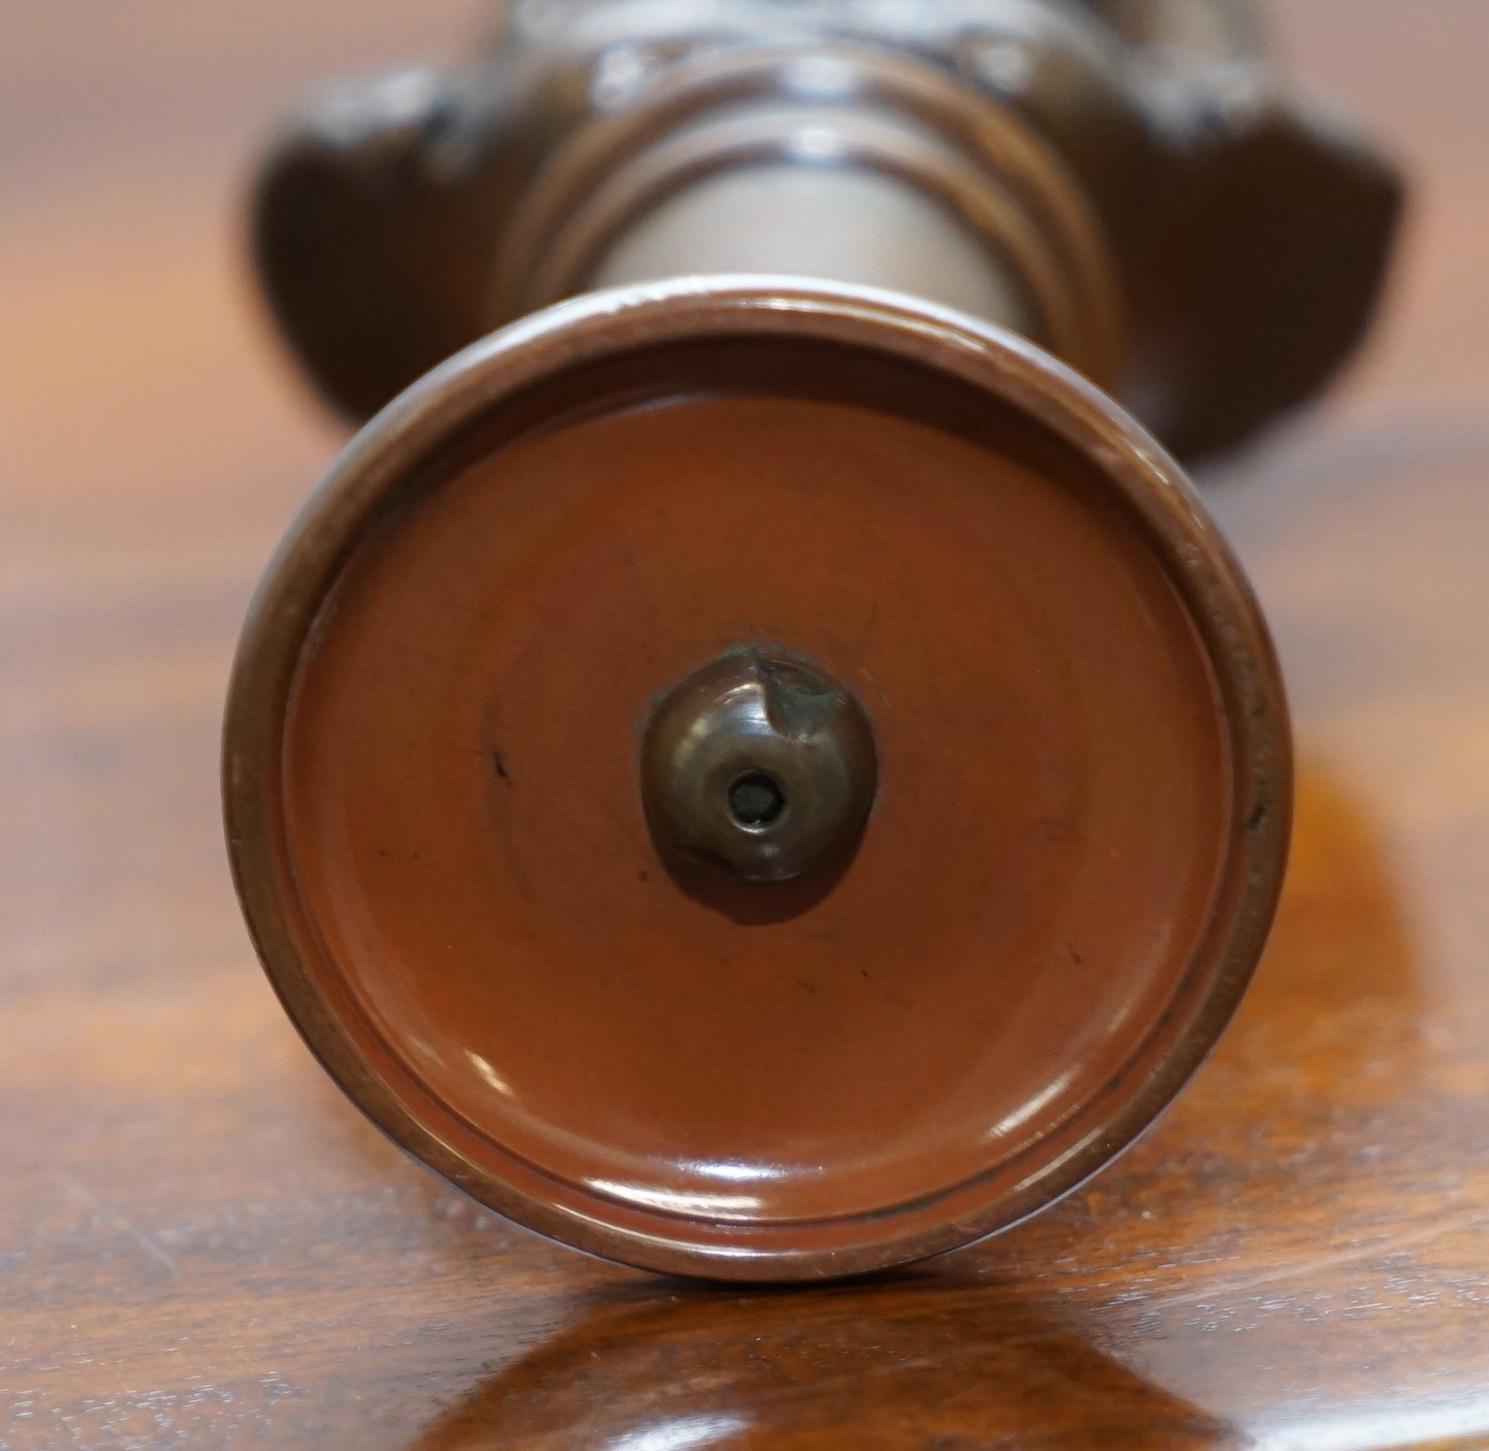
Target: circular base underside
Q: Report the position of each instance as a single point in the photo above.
(1046, 919)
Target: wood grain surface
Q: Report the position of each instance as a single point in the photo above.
(202, 1245)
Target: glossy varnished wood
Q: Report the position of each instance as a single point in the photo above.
(201, 1245)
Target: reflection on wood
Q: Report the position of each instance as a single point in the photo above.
(978, 1366)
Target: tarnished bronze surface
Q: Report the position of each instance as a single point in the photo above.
(759, 763)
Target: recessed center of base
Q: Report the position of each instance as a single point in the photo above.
(757, 800)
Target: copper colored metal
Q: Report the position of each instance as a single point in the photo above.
(439, 830)
(770, 777)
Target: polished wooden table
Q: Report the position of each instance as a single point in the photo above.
(202, 1245)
